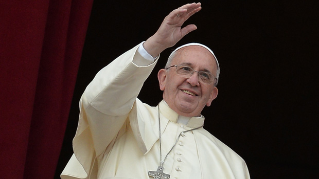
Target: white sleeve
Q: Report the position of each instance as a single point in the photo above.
(141, 50)
(104, 108)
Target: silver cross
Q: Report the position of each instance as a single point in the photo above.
(159, 174)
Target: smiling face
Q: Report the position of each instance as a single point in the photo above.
(188, 96)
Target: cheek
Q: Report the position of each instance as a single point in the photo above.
(173, 83)
(172, 87)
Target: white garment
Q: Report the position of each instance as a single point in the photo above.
(117, 135)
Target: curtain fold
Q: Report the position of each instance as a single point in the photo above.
(40, 51)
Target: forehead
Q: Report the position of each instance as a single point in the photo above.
(197, 56)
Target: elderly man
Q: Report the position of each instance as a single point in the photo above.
(119, 137)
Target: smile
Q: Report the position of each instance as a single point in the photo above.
(188, 92)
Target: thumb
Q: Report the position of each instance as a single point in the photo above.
(189, 28)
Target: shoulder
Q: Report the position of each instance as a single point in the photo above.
(140, 105)
(143, 111)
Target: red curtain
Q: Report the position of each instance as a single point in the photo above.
(41, 43)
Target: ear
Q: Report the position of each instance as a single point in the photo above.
(161, 76)
(212, 96)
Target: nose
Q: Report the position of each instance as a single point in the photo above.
(194, 79)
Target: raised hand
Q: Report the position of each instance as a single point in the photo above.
(171, 31)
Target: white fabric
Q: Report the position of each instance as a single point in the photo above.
(145, 54)
(117, 135)
(183, 120)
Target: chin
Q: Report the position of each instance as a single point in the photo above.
(187, 108)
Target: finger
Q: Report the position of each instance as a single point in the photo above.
(189, 28)
(193, 11)
(189, 14)
(182, 13)
(194, 7)
(178, 12)
(190, 6)
(186, 13)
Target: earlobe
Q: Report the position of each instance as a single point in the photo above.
(161, 76)
(213, 96)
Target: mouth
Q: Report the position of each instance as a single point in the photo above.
(189, 92)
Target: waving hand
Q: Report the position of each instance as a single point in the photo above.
(171, 30)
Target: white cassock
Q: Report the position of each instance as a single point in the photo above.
(118, 135)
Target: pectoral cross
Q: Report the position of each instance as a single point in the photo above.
(159, 174)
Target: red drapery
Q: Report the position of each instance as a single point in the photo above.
(41, 43)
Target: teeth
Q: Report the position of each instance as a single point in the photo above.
(188, 92)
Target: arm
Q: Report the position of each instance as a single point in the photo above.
(115, 88)
(104, 107)
(108, 99)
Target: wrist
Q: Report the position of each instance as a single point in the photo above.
(153, 46)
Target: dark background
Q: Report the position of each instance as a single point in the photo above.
(267, 107)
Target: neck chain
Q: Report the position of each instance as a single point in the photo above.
(159, 174)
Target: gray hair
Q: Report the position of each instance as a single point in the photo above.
(172, 55)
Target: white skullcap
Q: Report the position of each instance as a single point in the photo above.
(198, 44)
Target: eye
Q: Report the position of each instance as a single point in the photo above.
(204, 75)
(186, 69)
